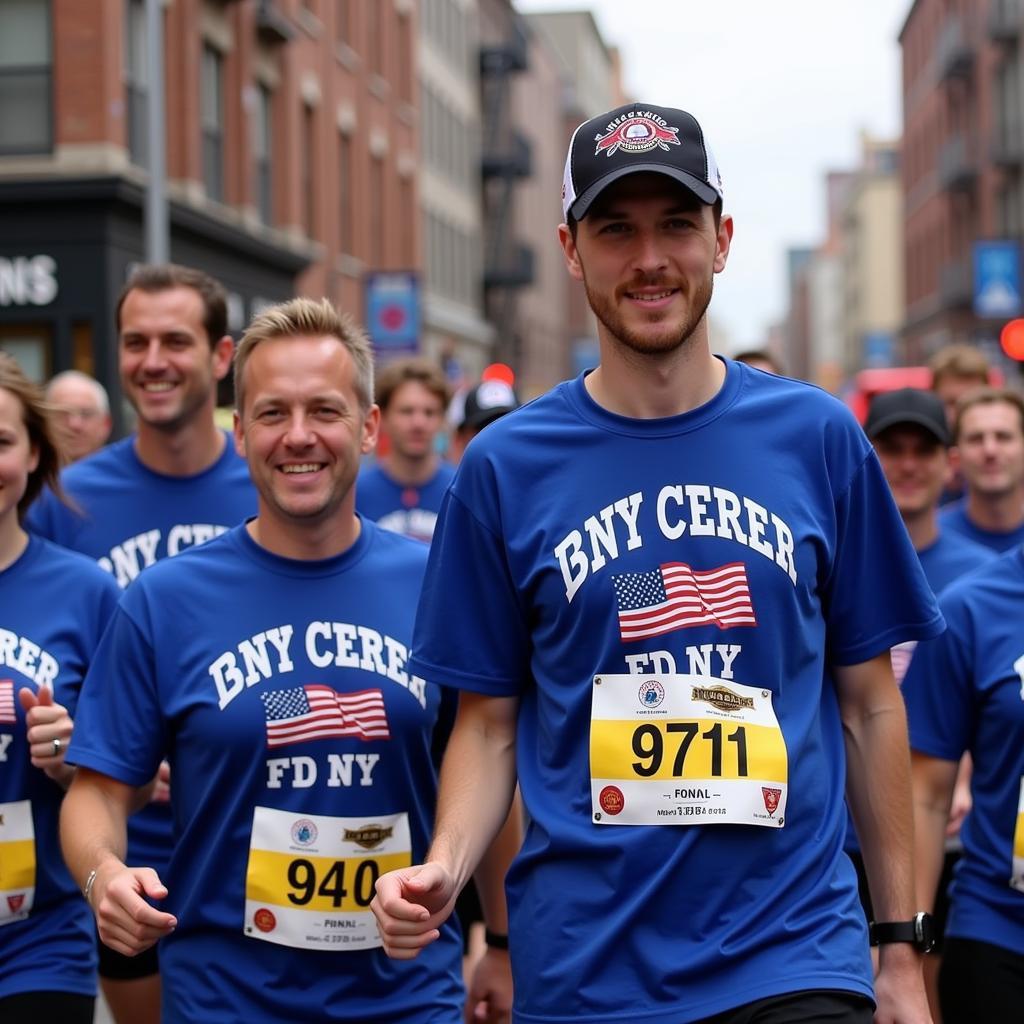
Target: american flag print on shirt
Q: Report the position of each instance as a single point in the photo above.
(675, 596)
(7, 701)
(316, 712)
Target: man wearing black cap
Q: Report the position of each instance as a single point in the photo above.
(911, 437)
(667, 591)
(484, 404)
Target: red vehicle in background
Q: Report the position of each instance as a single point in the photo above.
(868, 383)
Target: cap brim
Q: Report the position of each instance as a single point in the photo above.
(898, 419)
(701, 189)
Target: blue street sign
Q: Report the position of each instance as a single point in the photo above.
(997, 291)
(393, 311)
(878, 348)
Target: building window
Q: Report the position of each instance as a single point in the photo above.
(212, 117)
(377, 214)
(308, 143)
(343, 21)
(263, 145)
(345, 205)
(405, 59)
(375, 44)
(136, 81)
(408, 207)
(26, 121)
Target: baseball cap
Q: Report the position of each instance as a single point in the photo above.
(485, 403)
(907, 405)
(632, 138)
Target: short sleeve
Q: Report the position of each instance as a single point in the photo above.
(939, 689)
(99, 602)
(876, 595)
(119, 725)
(471, 632)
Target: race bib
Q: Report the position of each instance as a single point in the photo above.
(1017, 878)
(311, 878)
(17, 861)
(685, 750)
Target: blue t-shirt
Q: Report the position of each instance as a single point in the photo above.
(54, 606)
(954, 517)
(951, 556)
(965, 692)
(742, 548)
(129, 517)
(300, 758)
(411, 511)
(946, 559)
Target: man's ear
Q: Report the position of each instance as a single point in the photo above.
(570, 252)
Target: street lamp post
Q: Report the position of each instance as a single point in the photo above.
(157, 240)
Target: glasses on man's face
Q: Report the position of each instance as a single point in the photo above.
(73, 413)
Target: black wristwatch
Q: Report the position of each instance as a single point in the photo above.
(919, 931)
(495, 939)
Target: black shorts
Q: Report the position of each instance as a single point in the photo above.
(116, 966)
(980, 982)
(941, 911)
(35, 1007)
(815, 1006)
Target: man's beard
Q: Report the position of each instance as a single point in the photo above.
(676, 334)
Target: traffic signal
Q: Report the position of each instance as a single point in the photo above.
(1011, 337)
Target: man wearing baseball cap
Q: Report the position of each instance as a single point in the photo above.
(481, 405)
(667, 591)
(911, 437)
(910, 434)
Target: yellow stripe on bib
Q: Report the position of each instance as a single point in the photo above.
(696, 749)
(17, 865)
(321, 884)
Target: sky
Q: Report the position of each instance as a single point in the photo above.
(783, 91)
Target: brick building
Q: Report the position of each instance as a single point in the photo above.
(961, 161)
(291, 158)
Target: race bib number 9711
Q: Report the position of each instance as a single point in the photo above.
(311, 878)
(685, 750)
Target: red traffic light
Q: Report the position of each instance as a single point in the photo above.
(1011, 337)
(503, 372)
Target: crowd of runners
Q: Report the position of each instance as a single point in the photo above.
(717, 693)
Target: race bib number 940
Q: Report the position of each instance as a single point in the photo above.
(685, 750)
(311, 878)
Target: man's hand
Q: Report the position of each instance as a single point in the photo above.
(161, 792)
(410, 905)
(126, 922)
(489, 998)
(899, 987)
(48, 728)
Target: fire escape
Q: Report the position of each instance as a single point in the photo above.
(506, 158)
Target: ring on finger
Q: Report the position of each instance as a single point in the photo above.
(56, 746)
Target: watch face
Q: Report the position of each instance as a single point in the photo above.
(924, 932)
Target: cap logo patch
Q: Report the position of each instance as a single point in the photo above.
(636, 132)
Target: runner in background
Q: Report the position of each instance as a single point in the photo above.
(956, 370)
(402, 490)
(81, 413)
(989, 455)
(910, 435)
(964, 692)
(53, 607)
